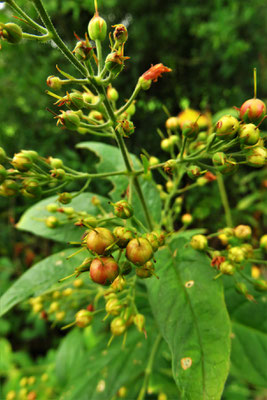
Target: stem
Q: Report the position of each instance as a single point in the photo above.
(253, 260)
(129, 102)
(55, 37)
(255, 82)
(99, 56)
(30, 21)
(183, 147)
(42, 38)
(225, 202)
(148, 370)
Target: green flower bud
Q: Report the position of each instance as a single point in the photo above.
(120, 35)
(115, 62)
(226, 127)
(243, 232)
(113, 306)
(83, 50)
(260, 285)
(58, 173)
(65, 198)
(32, 188)
(125, 128)
(144, 83)
(70, 119)
(112, 93)
(219, 159)
(236, 254)
(11, 32)
(52, 222)
(263, 242)
(83, 318)
(172, 123)
(199, 242)
(97, 28)
(145, 271)
(55, 162)
(227, 268)
(249, 134)
(190, 129)
(118, 326)
(257, 157)
(22, 162)
(187, 219)
(118, 284)
(54, 82)
(166, 145)
(139, 321)
(193, 171)
(9, 188)
(123, 235)
(153, 161)
(123, 209)
(96, 115)
(52, 207)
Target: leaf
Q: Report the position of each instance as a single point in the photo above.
(30, 220)
(42, 276)
(249, 337)
(192, 317)
(145, 163)
(104, 370)
(112, 160)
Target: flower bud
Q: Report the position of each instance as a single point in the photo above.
(166, 145)
(54, 306)
(11, 32)
(172, 123)
(139, 321)
(187, 219)
(144, 83)
(118, 326)
(104, 270)
(190, 130)
(193, 171)
(120, 35)
(123, 235)
(226, 127)
(169, 186)
(247, 250)
(260, 285)
(65, 198)
(219, 159)
(153, 161)
(145, 271)
(257, 157)
(52, 222)
(70, 119)
(99, 240)
(58, 173)
(227, 268)
(55, 162)
(115, 62)
(249, 134)
(32, 188)
(153, 240)
(122, 392)
(263, 242)
(60, 315)
(123, 209)
(83, 50)
(54, 82)
(113, 306)
(97, 28)
(119, 283)
(199, 242)
(22, 162)
(67, 292)
(253, 110)
(202, 181)
(243, 232)
(131, 109)
(236, 254)
(125, 128)
(78, 283)
(83, 318)
(160, 236)
(9, 188)
(112, 93)
(139, 251)
(91, 221)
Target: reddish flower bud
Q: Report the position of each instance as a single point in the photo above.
(155, 72)
(139, 251)
(104, 270)
(99, 239)
(253, 110)
(83, 318)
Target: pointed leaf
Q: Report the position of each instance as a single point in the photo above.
(192, 317)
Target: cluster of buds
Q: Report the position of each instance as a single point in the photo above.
(238, 252)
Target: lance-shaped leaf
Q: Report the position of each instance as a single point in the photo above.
(192, 317)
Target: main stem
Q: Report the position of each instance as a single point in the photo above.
(149, 367)
(55, 37)
(225, 201)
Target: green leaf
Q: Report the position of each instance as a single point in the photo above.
(112, 160)
(39, 278)
(249, 337)
(103, 370)
(192, 317)
(30, 220)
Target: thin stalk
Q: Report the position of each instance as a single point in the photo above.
(55, 37)
(149, 367)
(30, 21)
(42, 38)
(225, 202)
(129, 102)
(99, 56)
(255, 82)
